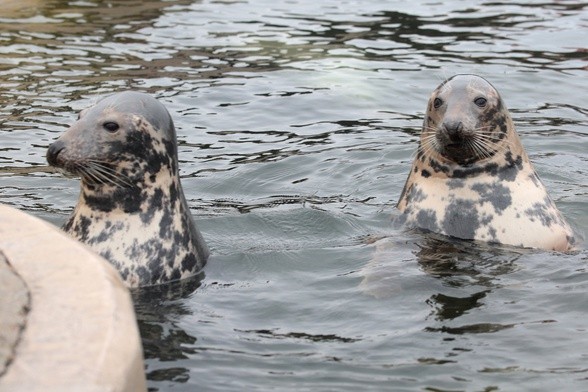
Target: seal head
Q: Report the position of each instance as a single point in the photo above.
(471, 177)
(132, 208)
(466, 121)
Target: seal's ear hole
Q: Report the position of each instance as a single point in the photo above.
(437, 103)
(111, 126)
(480, 101)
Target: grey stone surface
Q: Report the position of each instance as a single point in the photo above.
(14, 307)
(80, 332)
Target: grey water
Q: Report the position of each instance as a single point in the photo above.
(297, 123)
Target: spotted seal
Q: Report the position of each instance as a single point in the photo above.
(471, 177)
(131, 208)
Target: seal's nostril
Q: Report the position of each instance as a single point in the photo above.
(53, 151)
(453, 129)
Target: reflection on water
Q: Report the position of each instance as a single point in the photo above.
(456, 263)
(163, 340)
(448, 307)
(297, 122)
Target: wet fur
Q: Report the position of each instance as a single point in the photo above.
(471, 177)
(132, 208)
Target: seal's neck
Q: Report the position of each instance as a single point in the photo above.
(505, 163)
(130, 193)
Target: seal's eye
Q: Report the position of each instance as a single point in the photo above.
(481, 101)
(111, 126)
(437, 102)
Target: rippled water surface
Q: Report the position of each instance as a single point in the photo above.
(297, 121)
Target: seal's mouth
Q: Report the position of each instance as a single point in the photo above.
(465, 153)
(461, 152)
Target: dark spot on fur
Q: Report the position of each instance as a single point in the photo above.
(189, 262)
(541, 212)
(143, 273)
(155, 203)
(124, 273)
(485, 220)
(166, 224)
(416, 194)
(508, 173)
(405, 191)
(81, 227)
(492, 232)
(461, 219)
(100, 202)
(425, 173)
(427, 219)
(176, 274)
(156, 269)
(173, 193)
(453, 183)
(496, 194)
(513, 165)
(491, 168)
(437, 167)
(130, 199)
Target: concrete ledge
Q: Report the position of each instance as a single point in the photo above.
(67, 319)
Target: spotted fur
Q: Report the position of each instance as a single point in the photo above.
(131, 208)
(471, 177)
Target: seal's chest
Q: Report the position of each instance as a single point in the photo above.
(518, 212)
(484, 196)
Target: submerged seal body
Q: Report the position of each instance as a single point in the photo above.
(131, 208)
(471, 177)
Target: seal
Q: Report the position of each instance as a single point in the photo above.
(471, 177)
(131, 208)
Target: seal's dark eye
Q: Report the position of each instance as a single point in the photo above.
(437, 102)
(110, 126)
(481, 101)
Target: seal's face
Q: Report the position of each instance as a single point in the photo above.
(466, 121)
(125, 140)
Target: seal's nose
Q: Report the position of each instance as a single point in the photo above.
(453, 130)
(53, 151)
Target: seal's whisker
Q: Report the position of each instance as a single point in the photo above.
(110, 177)
(428, 130)
(483, 129)
(482, 149)
(491, 144)
(102, 178)
(428, 138)
(427, 148)
(489, 140)
(89, 176)
(427, 142)
(109, 174)
(494, 142)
